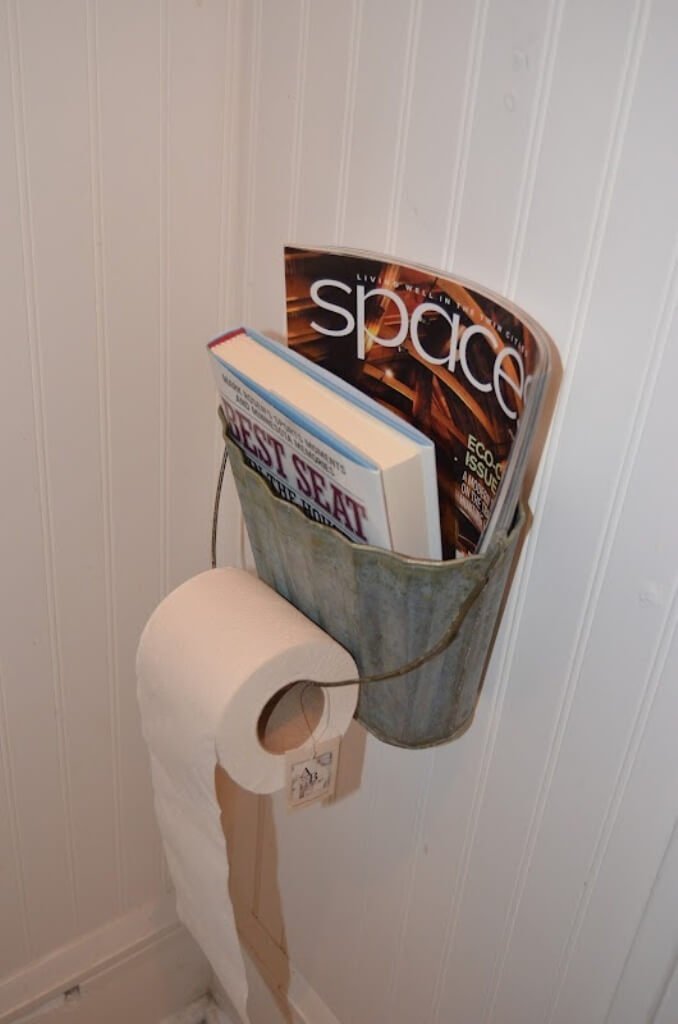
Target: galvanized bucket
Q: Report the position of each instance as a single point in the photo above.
(427, 626)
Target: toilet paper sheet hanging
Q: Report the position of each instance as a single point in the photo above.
(429, 627)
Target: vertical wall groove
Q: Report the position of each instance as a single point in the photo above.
(349, 111)
(163, 352)
(34, 334)
(648, 690)
(397, 960)
(668, 984)
(112, 667)
(231, 237)
(7, 762)
(230, 296)
(402, 135)
(229, 150)
(627, 83)
(13, 823)
(298, 129)
(671, 843)
(227, 158)
(605, 191)
(471, 81)
(663, 1014)
(617, 134)
(533, 149)
(554, 748)
(648, 695)
(521, 583)
(572, 344)
(512, 617)
(252, 148)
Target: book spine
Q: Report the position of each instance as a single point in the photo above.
(300, 467)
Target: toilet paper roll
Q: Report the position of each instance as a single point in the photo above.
(217, 666)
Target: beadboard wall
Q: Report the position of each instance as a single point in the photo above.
(157, 154)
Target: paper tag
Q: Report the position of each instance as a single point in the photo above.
(309, 777)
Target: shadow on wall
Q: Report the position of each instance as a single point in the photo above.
(543, 425)
(249, 829)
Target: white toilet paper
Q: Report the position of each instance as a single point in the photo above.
(214, 655)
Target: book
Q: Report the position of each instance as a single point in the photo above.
(327, 447)
(462, 364)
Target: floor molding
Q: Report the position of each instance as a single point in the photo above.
(302, 1003)
(143, 967)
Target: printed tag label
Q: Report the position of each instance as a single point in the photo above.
(311, 778)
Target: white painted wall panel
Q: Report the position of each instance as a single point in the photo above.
(34, 748)
(628, 858)
(128, 158)
(667, 1009)
(59, 182)
(513, 49)
(638, 690)
(613, 683)
(382, 54)
(322, 111)
(19, 517)
(437, 117)
(437, 851)
(446, 888)
(594, 460)
(196, 51)
(562, 198)
(273, 136)
(652, 959)
(113, 172)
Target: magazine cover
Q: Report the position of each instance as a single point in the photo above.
(463, 365)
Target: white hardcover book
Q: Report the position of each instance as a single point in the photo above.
(325, 449)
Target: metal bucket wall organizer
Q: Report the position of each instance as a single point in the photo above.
(388, 610)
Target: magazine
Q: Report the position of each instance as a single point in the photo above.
(344, 459)
(463, 365)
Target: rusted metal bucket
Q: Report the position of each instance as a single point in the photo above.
(388, 611)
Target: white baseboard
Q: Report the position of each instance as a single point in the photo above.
(306, 1004)
(139, 968)
(301, 1001)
